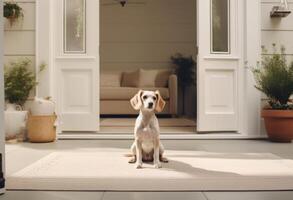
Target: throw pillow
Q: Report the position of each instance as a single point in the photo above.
(130, 79)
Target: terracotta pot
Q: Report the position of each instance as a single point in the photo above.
(279, 124)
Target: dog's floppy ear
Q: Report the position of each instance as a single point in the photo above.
(136, 102)
(160, 102)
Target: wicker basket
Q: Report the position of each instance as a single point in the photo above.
(41, 128)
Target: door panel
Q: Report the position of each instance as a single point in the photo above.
(77, 64)
(219, 63)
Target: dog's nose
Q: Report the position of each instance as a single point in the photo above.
(151, 105)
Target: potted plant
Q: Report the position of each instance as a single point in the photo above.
(18, 81)
(12, 11)
(186, 73)
(274, 77)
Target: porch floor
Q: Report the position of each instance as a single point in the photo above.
(21, 155)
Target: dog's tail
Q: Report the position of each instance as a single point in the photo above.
(128, 155)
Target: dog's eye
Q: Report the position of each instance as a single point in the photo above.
(154, 98)
(144, 97)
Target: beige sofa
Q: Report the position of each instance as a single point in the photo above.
(118, 87)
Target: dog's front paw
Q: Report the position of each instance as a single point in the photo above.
(158, 165)
(138, 165)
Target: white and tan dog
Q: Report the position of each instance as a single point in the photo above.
(147, 146)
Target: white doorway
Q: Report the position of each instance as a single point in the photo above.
(221, 75)
(138, 40)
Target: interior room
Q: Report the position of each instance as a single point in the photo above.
(142, 46)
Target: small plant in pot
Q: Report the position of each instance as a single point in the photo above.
(12, 11)
(186, 73)
(274, 77)
(18, 81)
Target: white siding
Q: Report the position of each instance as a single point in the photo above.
(19, 39)
(147, 35)
(277, 30)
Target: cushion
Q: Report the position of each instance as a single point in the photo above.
(126, 93)
(162, 78)
(110, 79)
(154, 78)
(130, 79)
(147, 78)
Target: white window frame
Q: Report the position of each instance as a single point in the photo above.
(212, 32)
(65, 51)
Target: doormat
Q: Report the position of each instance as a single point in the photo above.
(108, 170)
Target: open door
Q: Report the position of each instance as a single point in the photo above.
(2, 134)
(220, 63)
(76, 28)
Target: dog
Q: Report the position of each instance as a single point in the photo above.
(147, 146)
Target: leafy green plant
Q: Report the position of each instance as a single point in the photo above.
(274, 77)
(12, 11)
(185, 71)
(19, 81)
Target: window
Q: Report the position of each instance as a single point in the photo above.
(220, 35)
(74, 26)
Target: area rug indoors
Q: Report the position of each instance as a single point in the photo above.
(107, 169)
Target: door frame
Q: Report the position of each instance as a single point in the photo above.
(246, 52)
(249, 109)
(82, 110)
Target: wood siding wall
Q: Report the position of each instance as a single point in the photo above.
(19, 39)
(277, 30)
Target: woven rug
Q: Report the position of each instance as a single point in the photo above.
(108, 169)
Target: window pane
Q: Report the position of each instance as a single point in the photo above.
(220, 26)
(74, 26)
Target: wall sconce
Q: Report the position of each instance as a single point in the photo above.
(282, 10)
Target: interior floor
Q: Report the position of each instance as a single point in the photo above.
(21, 155)
(167, 125)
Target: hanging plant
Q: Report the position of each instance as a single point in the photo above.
(12, 11)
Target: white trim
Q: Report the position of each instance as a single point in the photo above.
(44, 47)
(252, 45)
(65, 51)
(212, 33)
(76, 56)
(221, 57)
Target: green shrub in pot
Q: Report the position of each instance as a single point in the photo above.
(274, 77)
(19, 81)
(186, 73)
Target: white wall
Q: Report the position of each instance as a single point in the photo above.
(147, 35)
(19, 39)
(277, 30)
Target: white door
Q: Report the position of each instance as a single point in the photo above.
(220, 64)
(77, 63)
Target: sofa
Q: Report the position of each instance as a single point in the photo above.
(117, 87)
